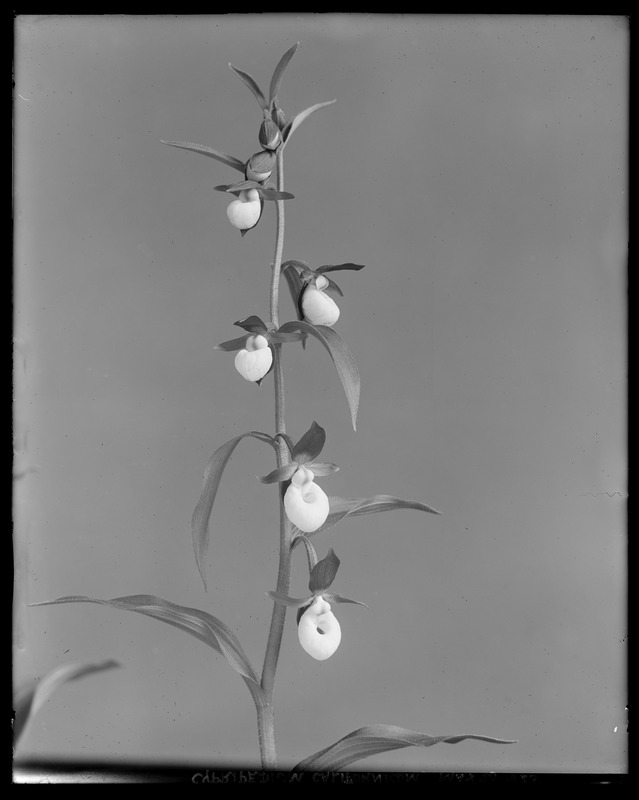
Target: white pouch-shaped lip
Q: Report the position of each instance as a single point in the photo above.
(255, 360)
(318, 307)
(306, 504)
(244, 213)
(319, 631)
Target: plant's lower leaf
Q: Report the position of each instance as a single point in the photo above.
(342, 358)
(341, 507)
(299, 118)
(212, 476)
(230, 161)
(251, 83)
(200, 624)
(374, 739)
(29, 699)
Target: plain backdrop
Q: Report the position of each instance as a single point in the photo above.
(477, 165)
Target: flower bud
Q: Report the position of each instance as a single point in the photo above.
(269, 135)
(306, 504)
(260, 166)
(318, 630)
(245, 212)
(318, 307)
(255, 361)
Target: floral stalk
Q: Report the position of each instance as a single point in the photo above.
(265, 714)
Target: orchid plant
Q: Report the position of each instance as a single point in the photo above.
(304, 508)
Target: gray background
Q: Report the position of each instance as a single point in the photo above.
(478, 167)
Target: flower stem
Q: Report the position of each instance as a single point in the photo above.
(266, 722)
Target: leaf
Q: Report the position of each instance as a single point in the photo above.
(30, 699)
(278, 71)
(212, 476)
(324, 572)
(252, 324)
(341, 507)
(294, 123)
(310, 445)
(250, 82)
(200, 624)
(233, 344)
(230, 161)
(373, 739)
(280, 474)
(343, 360)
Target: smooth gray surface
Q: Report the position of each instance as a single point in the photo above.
(477, 166)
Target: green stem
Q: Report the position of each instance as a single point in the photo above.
(266, 722)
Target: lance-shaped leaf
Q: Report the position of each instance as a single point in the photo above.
(280, 474)
(342, 358)
(297, 120)
(30, 699)
(353, 507)
(310, 445)
(373, 739)
(324, 572)
(200, 624)
(212, 476)
(250, 82)
(252, 324)
(231, 161)
(279, 70)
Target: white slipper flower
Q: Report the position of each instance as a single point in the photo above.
(255, 360)
(305, 502)
(318, 308)
(319, 631)
(245, 212)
